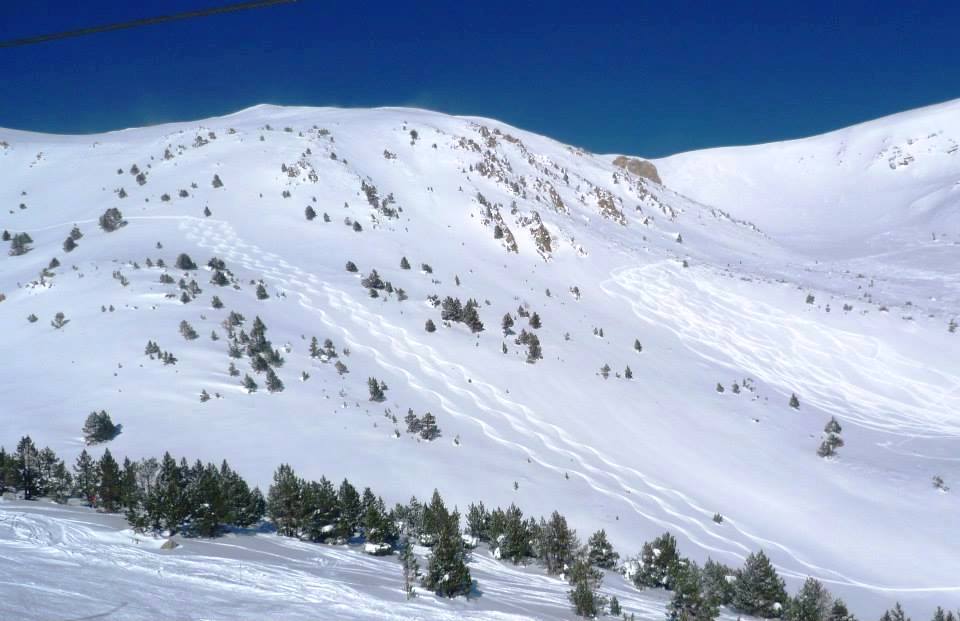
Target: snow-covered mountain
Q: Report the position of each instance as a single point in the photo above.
(824, 268)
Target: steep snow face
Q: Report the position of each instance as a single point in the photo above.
(511, 220)
(857, 190)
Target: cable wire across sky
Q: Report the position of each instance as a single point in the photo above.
(146, 21)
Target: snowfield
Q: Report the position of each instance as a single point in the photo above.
(825, 268)
(54, 555)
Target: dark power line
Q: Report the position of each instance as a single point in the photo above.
(147, 21)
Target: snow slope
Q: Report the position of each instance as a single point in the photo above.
(55, 553)
(861, 189)
(662, 451)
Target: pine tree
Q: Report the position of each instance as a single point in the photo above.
(428, 427)
(600, 551)
(348, 503)
(557, 544)
(478, 520)
(184, 262)
(718, 582)
(811, 603)
(585, 580)
(614, 606)
(219, 278)
(688, 602)
(59, 320)
(167, 503)
(99, 427)
(410, 569)
(377, 526)
(506, 324)
(404, 264)
(429, 326)
(249, 384)
(839, 612)
(471, 317)
(85, 478)
(262, 292)
(309, 213)
(187, 331)
(794, 401)
(20, 244)
(376, 389)
(274, 384)
(26, 468)
(659, 563)
(320, 510)
(69, 245)
(832, 426)
(447, 573)
(584, 600)
(829, 446)
(895, 614)
(758, 590)
(61, 483)
(627, 373)
(451, 309)
(517, 542)
(284, 501)
(109, 488)
(314, 348)
(208, 506)
(535, 321)
(111, 220)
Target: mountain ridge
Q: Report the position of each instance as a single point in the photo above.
(606, 258)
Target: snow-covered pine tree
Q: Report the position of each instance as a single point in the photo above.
(659, 562)
(811, 603)
(557, 543)
(688, 602)
(758, 590)
(447, 573)
(600, 551)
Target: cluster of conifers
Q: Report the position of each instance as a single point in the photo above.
(205, 500)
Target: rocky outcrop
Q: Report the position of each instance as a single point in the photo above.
(641, 168)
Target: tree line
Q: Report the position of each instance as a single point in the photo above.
(167, 495)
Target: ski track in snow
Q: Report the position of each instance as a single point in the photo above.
(706, 325)
(855, 377)
(689, 518)
(317, 580)
(238, 577)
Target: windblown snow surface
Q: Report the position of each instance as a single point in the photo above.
(710, 272)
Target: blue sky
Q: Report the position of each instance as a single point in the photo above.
(637, 77)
